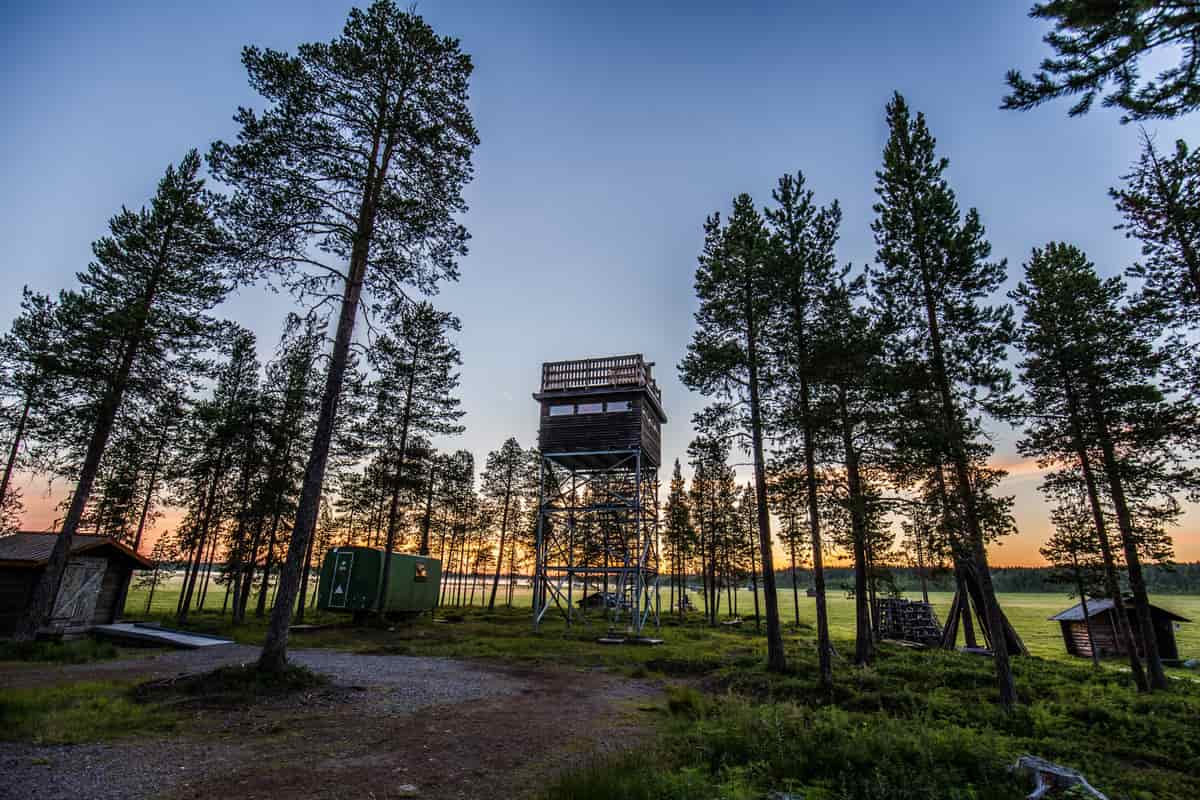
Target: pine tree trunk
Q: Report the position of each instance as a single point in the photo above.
(776, 661)
(703, 566)
(1133, 562)
(1087, 619)
(18, 434)
(950, 419)
(154, 468)
(754, 586)
(500, 550)
(274, 652)
(208, 565)
(209, 498)
(312, 541)
(863, 639)
(1112, 581)
(964, 609)
(425, 523)
(921, 571)
(251, 564)
(824, 648)
(260, 609)
(153, 584)
(41, 603)
(795, 584)
(394, 508)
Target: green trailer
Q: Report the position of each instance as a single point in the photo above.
(351, 579)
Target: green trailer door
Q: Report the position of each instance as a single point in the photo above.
(343, 565)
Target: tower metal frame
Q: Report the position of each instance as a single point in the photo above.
(598, 522)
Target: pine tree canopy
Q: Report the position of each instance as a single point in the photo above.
(1098, 49)
(1160, 203)
(367, 141)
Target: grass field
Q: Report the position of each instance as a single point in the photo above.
(915, 725)
(1027, 612)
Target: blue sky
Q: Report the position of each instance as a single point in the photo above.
(608, 134)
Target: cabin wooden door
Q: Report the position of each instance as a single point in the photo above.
(78, 592)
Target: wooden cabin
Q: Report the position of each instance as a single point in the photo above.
(94, 583)
(1104, 631)
(596, 412)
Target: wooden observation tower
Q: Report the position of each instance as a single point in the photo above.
(597, 537)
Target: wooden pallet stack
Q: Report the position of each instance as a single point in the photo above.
(909, 621)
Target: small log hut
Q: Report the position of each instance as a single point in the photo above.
(1102, 615)
(94, 583)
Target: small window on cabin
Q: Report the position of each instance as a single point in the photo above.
(420, 572)
(591, 408)
(618, 406)
(562, 411)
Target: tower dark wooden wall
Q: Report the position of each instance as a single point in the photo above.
(595, 408)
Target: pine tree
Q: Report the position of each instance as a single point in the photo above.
(932, 278)
(414, 395)
(164, 424)
(748, 518)
(164, 554)
(849, 344)
(289, 403)
(679, 536)
(1091, 368)
(362, 157)
(1160, 202)
(30, 355)
(501, 487)
(139, 317)
(789, 499)
(803, 236)
(218, 427)
(1099, 46)
(727, 359)
(117, 493)
(1073, 551)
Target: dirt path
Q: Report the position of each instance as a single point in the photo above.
(389, 726)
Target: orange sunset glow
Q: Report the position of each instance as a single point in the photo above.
(1019, 550)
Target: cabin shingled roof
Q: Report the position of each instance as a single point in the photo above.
(1101, 604)
(29, 549)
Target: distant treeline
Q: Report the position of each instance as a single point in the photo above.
(1177, 579)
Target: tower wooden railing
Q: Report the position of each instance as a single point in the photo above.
(598, 373)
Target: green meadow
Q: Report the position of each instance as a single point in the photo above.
(1028, 612)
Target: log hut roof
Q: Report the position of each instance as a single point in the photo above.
(32, 550)
(1101, 604)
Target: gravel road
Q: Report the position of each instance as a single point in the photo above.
(380, 686)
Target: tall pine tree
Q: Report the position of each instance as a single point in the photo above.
(138, 319)
(932, 278)
(350, 184)
(728, 359)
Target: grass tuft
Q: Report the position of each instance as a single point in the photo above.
(79, 712)
(68, 651)
(233, 685)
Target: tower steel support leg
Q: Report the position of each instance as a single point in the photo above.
(608, 536)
